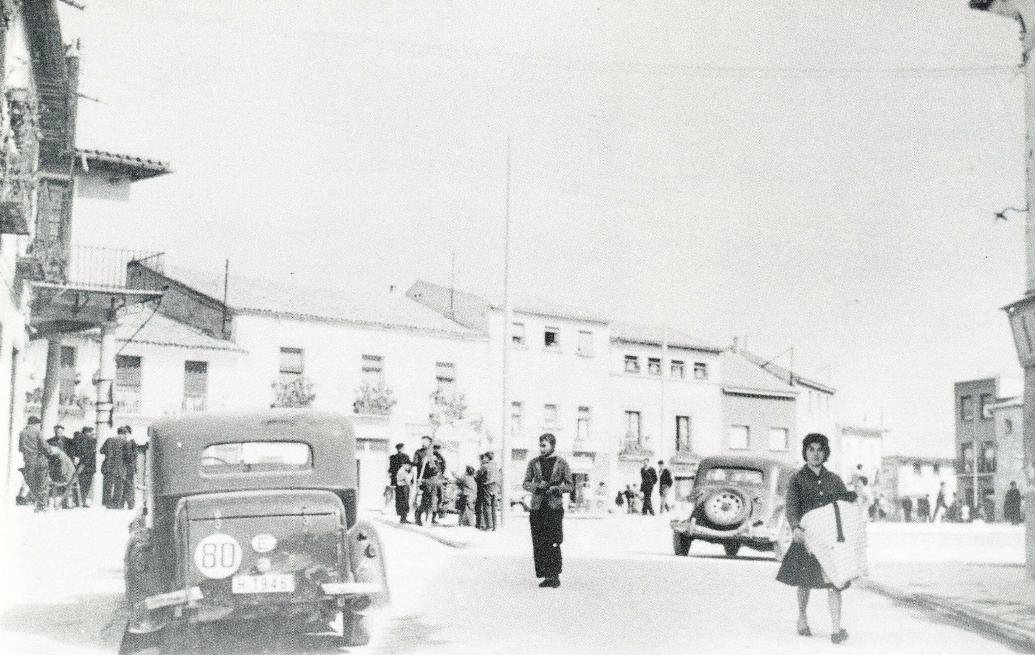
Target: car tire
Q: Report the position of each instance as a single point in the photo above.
(140, 644)
(731, 548)
(726, 507)
(681, 543)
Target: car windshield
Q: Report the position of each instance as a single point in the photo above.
(734, 475)
(256, 457)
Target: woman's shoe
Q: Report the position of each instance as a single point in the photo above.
(839, 636)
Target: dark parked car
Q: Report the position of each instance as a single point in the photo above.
(737, 500)
(250, 520)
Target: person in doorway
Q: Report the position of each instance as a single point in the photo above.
(84, 453)
(548, 477)
(664, 486)
(907, 509)
(489, 479)
(1012, 504)
(403, 479)
(648, 478)
(35, 449)
(113, 470)
(810, 488)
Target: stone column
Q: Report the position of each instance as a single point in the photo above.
(50, 399)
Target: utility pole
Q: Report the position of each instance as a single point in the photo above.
(1023, 11)
(507, 318)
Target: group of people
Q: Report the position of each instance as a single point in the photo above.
(421, 481)
(638, 499)
(953, 509)
(64, 467)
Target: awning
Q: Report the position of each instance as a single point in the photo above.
(67, 307)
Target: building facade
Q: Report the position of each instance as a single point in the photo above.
(976, 447)
(913, 477)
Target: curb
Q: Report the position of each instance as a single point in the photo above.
(972, 619)
(416, 529)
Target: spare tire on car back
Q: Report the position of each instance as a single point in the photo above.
(725, 507)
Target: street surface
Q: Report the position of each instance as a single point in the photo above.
(622, 591)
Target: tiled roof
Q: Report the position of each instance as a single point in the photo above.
(136, 167)
(785, 374)
(652, 335)
(375, 307)
(742, 376)
(143, 325)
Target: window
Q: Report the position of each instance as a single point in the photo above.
(632, 425)
(986, 405)
(654, 366)
(517, 334)
(195, 386)
(917, 469)
(516, 420)
(966, 408)
(256, 456)
(550, 415)
(445, 378)
(677, 369)
(700, 371)
(937, 469)
(632, 364)
(585, 343)
(777, 438)
(987, 463)
(582, 425)
(967, 457)
(740, 437)
(127, 384)
(683, 434)
(1007, 426)
(552, 338)
(734, 475)
(291, 364)
(373, 369)
(67, 376)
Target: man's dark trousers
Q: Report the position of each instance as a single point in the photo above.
(547, 535)
(489, 508)
(648, 505)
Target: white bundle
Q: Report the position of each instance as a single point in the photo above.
(842, 561)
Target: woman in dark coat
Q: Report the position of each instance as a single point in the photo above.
(548, 478)
(811, 487)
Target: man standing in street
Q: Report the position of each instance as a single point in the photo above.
(34, 449)
(1012, 504)
(940, 508)
(489, 483)
(428, 483)
(130, 450)
(648, 478)
(440, 493)
(664, 485)
(395, 464)
(548, 478)
(84, 451)
(113, 470)
(907, 509)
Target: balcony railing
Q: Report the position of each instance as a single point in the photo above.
(194, 404)
(106, 267)
(127, 401)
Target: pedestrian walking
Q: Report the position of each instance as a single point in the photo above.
(907, 509)
(84, 453)
(1012, 504)
(396, 462)
(664, 486)
(648, 478)
(428, 481)
(468, 487)
(547, 478)
(813, 486)
(489, 479)
(113, 470)
(34, 449)
(940, 508)
(403, 479)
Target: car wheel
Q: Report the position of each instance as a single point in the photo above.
(140, 644)
(726, 507)
(731, 548)
(784, 537)
(681, 543)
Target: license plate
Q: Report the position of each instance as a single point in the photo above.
(271, 583)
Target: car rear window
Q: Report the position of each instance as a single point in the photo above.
(256, 457)
(734, 475)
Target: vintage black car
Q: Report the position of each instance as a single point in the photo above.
(737, 500)
(250, 520)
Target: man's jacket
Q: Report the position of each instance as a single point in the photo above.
(488, 477)
(560, 480)
(32, 444)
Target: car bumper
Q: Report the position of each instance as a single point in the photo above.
(746, 532)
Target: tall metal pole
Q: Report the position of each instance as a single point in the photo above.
(105, 382)
(507, 318)
(1023, 11)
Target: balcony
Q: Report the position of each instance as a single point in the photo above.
(127, 401)
(194, 404)
(633, 447)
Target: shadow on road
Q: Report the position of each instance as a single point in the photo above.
(405, 634)
(91, 620)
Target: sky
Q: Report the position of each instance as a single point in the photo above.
(818, 175)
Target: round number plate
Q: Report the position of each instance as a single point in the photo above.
(218, 556)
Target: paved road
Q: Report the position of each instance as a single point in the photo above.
(622, 592)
